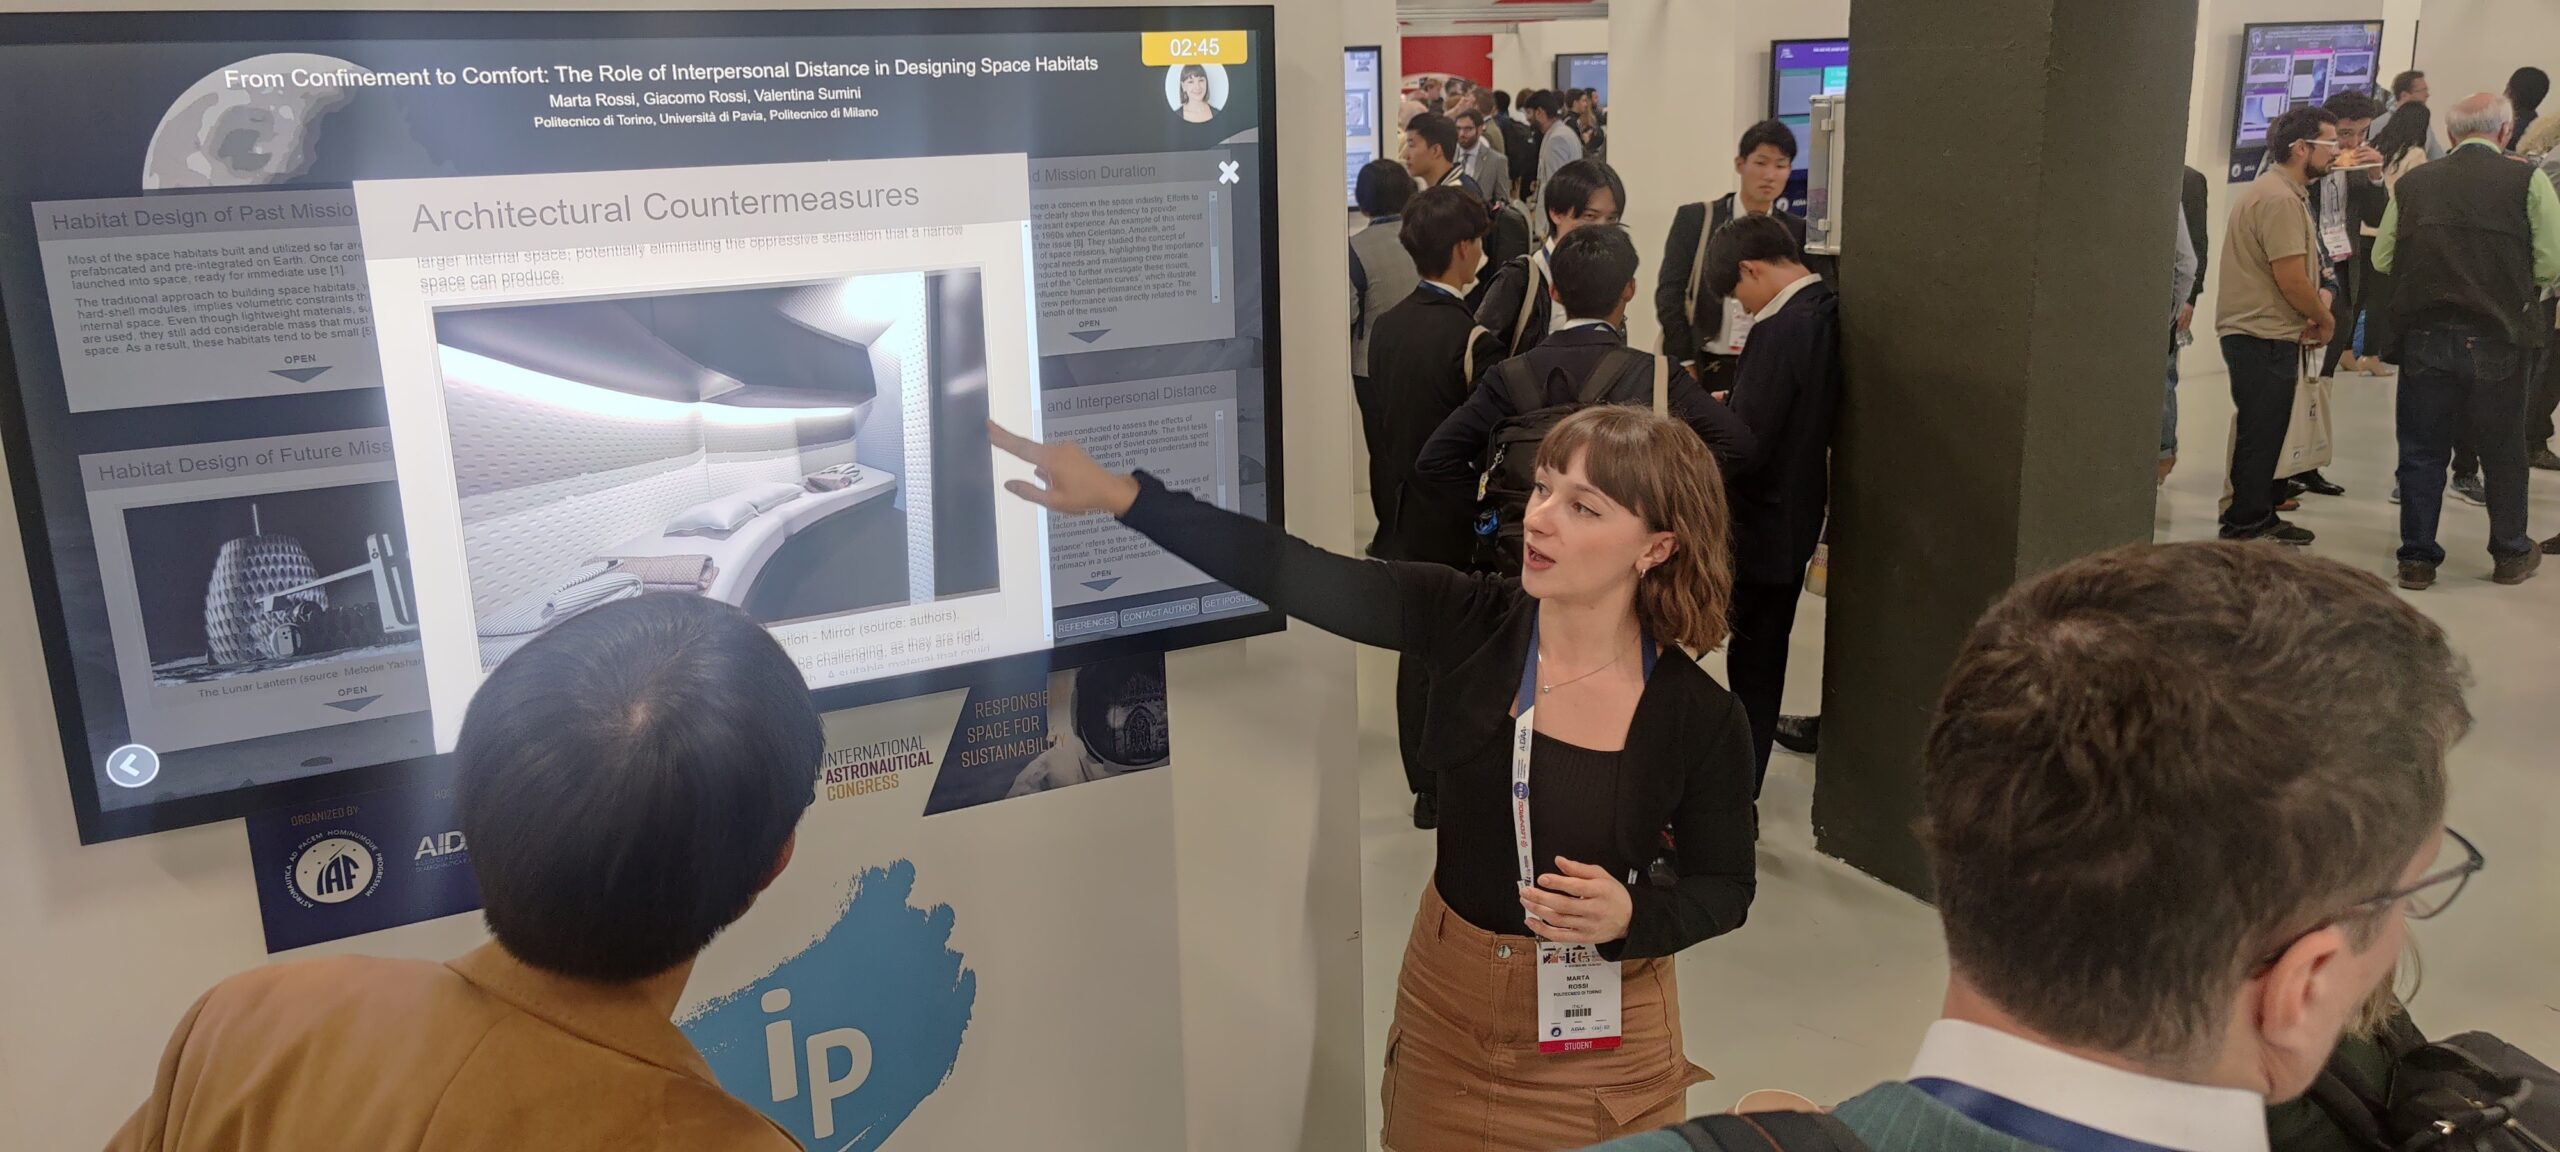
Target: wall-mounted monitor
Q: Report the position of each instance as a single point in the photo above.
(1362, 112)
(1584, 70)
(1800, 70)
(2296, 65)
(349, 352)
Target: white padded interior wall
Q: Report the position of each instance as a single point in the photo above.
(905, 340)
(826, 441)
(750, 446)
(515, 428)
(553, 473)
(881, 441)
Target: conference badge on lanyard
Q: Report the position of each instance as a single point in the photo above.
(1578, 992)
(2333, 220)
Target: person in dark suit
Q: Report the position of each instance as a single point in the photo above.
(1786, 388)
(1431, 154)
(2118, 740)
(1595, 280)
(1518, 307)
(1417, 362)
(1703, 331)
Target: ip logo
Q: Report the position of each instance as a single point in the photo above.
(842, 1041)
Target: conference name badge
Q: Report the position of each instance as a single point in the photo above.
(1577, 999)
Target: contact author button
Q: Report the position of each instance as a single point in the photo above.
(1159, 613)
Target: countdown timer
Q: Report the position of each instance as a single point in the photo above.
(1165, 49)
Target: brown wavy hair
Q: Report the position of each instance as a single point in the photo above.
(1657, 467)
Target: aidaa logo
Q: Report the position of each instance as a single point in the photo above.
(334, 867)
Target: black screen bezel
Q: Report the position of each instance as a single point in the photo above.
(97, 824)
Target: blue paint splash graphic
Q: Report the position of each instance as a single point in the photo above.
(882, 988)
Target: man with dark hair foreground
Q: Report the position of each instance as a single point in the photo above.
(2169, 875)
(629, 783)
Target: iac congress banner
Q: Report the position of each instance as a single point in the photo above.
(974, 944)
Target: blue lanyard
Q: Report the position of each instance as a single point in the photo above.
(2017, 1121)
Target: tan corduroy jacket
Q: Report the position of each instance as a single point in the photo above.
(484, 1052)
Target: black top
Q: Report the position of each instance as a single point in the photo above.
(1508, 241)
(1687, 765)
(1572, 790)
(1505, 294)
(1788, 390)
(1417, 357)
(1449, 458)
(2464, 253)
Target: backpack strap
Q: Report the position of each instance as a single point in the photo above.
(1770, 1132)
(1536, 283)
(1523, 390)
(1619, 369)
(2351, 1113)
(1698, 263)
(1467, 364)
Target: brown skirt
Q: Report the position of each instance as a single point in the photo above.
(1464, 1073)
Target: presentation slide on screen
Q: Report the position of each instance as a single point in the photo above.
(1360, 118)
(2289, 66)
(553, 351)
(249, 586)
(355, 353)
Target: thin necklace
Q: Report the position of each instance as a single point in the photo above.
(1547, 688)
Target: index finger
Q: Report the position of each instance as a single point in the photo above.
(1572, 885)
(1031, 451)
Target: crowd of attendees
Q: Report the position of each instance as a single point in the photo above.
(2393, 239)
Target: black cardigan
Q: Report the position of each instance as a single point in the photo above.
(1687, 764)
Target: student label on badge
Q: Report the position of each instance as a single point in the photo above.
(1577, 999)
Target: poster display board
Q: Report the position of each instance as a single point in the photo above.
(1362, 114)
(1800, 70)
(348, 352)
(1584, 70)
(2295, 65)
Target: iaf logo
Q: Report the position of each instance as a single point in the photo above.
(334, 867)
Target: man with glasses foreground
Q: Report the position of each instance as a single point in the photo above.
(2170, 874)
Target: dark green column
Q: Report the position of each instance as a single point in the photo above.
(2013, 171)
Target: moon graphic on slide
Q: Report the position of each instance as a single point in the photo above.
(218, 136)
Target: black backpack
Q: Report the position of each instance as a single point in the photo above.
(2468, 1093)
(1519, 147)
(1509, 466)
(1769, 1132)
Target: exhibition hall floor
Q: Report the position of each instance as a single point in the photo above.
(1828, 988)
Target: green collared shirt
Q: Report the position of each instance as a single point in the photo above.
(2541, 205)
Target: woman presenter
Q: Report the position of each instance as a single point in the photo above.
(1569, 728)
